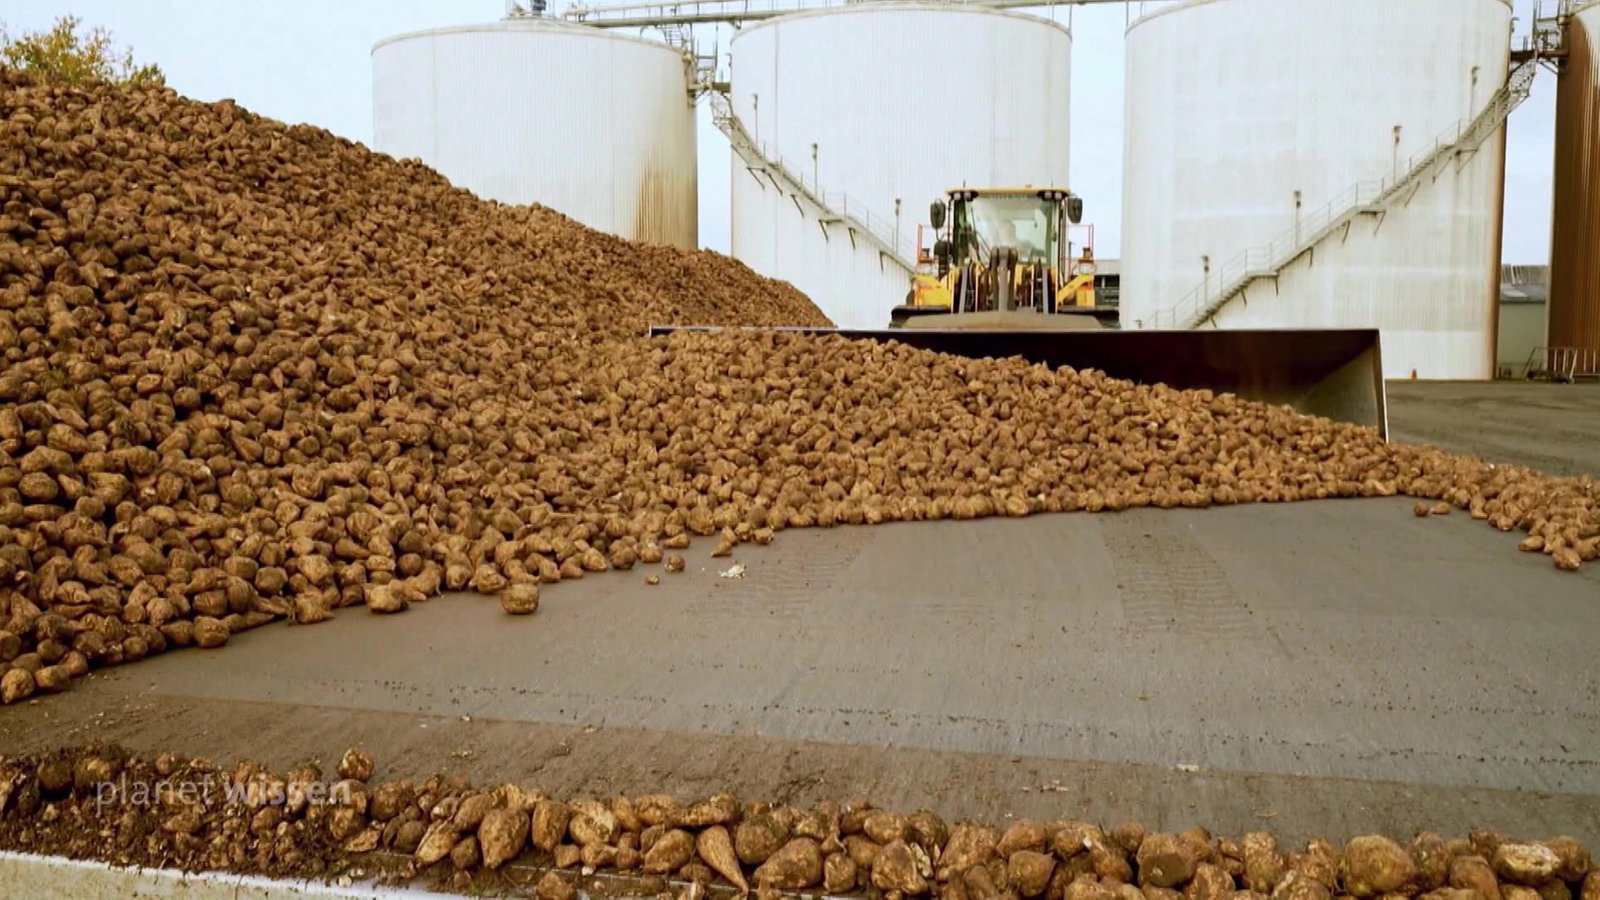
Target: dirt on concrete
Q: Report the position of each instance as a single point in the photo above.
(341, 820)
(574, 760)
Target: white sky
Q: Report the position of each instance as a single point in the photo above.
(310, 61)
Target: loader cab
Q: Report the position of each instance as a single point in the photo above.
(1030, 221)
(996, 249)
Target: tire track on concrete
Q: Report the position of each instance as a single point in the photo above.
(1169, 584)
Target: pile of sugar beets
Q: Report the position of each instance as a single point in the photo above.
(105, 803)
(255, 372)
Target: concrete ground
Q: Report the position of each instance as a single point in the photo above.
(1554, 428)
(1318, 668)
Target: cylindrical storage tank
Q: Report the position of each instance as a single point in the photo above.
(1575, 237)
(1253, 123)
(596, 125)
(880, 107)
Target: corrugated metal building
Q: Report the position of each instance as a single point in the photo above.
(878, 108)
(1524, 298)
(1575, 237)
(1250, 124)
(594, 124)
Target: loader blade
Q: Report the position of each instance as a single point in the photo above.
(1333, 373)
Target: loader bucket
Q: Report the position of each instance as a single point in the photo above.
(1333, 373)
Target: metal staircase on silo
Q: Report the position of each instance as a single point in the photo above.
(1365, 199)
(700, 69)
(830, 207)
(675, 21)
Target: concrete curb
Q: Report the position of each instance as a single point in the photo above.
(50, 877)
(42, 877)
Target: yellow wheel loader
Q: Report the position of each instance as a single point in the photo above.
(1005, 251)
(1001, 281)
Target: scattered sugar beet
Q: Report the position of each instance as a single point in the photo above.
(254, 372)
(447, 830)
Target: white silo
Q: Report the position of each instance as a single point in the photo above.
(1254, 126)
(878, 108)
(593, 124)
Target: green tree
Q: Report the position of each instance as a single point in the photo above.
(62, 54)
